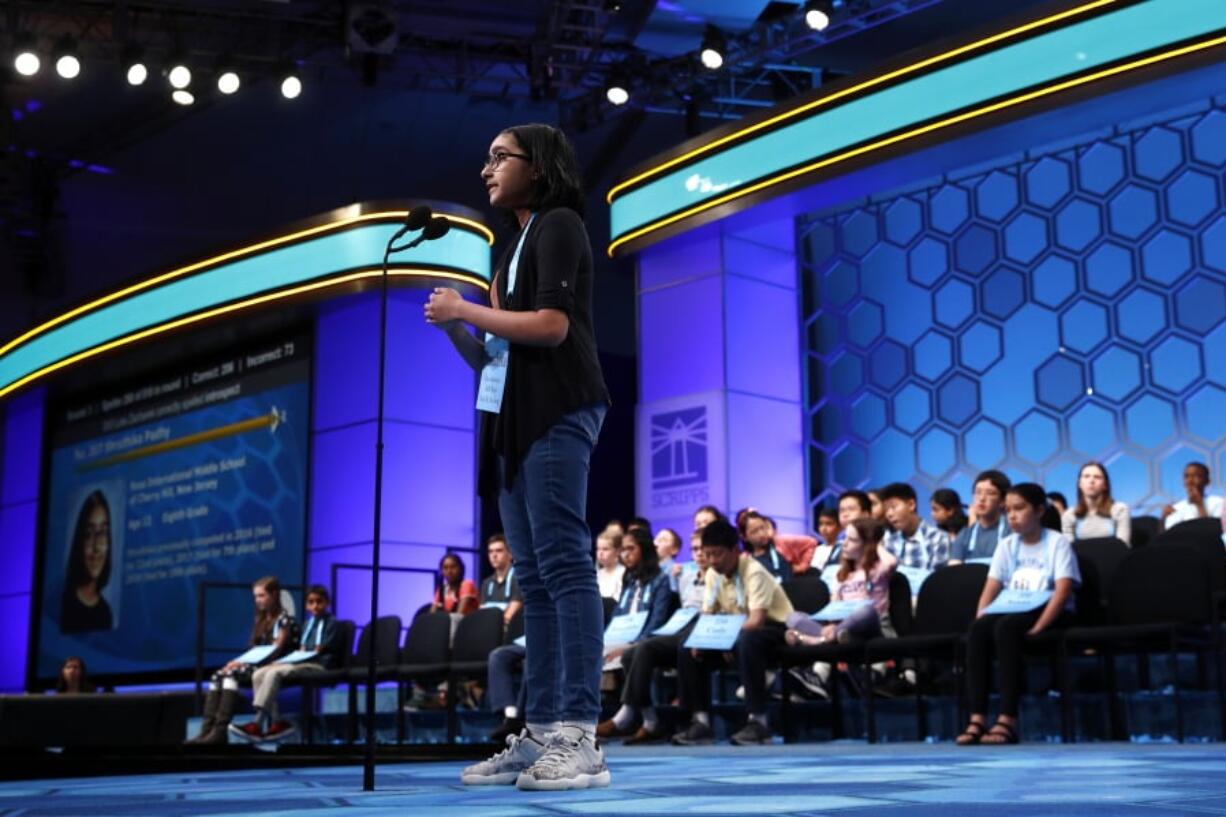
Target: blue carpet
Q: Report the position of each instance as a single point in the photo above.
(915, 780)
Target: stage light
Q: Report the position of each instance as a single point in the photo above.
(713, 48)
(25, 58)
(228, 82)
(134, 66)
(291, 85)
(818, 14)
(183, 97)
(67, 62)
(180, 75)
(617, 89)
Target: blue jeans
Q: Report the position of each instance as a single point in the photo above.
(544, 517)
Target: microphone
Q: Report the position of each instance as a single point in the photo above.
(418, 217)
(437, 227)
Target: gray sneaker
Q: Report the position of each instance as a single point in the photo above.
(566, 764)
(504, 768)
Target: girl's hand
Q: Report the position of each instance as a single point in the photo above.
(444, 306)
(828, 631)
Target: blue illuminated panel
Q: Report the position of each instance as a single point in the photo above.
(328, 254)
(1029, 316)
(1035, 62)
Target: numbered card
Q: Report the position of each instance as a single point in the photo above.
(298, 656)
(522, 641)
(839, 610)
(624, 629)
(916, 576)
(493, 374)
(985, 560)
(1017, 601)
(716, 631)
(256, 654)
(497, 605)
(677, 622)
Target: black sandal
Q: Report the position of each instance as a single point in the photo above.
(973, 733)
(1005, 734)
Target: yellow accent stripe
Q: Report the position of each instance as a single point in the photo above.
(229, 430)
(234, 307)
(224, 257)
(920, 131)
(884, 78)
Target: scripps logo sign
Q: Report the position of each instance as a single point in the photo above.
(679, 472)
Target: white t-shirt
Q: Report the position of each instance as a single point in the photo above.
(1185, 510)
(1020, 566)
(610, 581)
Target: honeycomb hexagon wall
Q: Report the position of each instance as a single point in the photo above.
(1066, 307)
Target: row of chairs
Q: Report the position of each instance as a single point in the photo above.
(1163, 599)
(430, 654)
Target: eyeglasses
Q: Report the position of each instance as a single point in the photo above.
(495, 160)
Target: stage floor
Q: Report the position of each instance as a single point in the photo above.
(915, 780)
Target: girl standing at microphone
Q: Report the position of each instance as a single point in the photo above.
(543, 400)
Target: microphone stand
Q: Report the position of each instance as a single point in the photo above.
(368, 770)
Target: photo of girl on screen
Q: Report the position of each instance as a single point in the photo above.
(89, 569)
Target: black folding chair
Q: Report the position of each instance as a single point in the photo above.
(948, 601)
(808, 594)
(478, 635)
(423, 658)
(1144, 529)
(1180, 617)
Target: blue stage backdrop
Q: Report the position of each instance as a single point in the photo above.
(1061, 306)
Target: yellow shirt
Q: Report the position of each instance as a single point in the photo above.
(751, 588)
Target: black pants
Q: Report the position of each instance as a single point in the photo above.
(1001, 637)
(641, 661)
(755, 650)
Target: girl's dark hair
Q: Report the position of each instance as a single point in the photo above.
(714, 511)
(77, 572)
(745, 517)
(871, 532)
(86, 684)
(1104, 502)
(1033, 494)
(649, 560)
(948, 499)
(560, 181)
(265, 619)
(441, 580)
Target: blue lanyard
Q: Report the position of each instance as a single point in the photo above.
(306, 636)
(643, 589)
(774, 557)
(505, 583)
(513, 269)
(1000, 534)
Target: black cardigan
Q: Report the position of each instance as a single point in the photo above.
(543, 384)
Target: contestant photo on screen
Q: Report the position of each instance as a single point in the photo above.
(91, 592)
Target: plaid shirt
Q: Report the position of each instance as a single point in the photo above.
(928, 547)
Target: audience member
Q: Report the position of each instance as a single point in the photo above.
(645, 587)
(877, 504)
(706, 515)
(452, 592)
(828, 525)
(501, 589)
(852, 505)
(1057, 500)
(272, 626)
(1096, 513)
(609, 568)
(736, 583)
(639, 522)
(916, 542)
(1033, 559)
(947, 512)
(864, 574)
(641, 660)
(1196, 505)
(978, 541)
(72, 679)
(757, 533)
(322, 636)
(796, 548)
(668, 547)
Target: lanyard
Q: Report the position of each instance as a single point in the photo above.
(306, 636)
(505, 582)
(642, 595)
(774, 556)
(513, 269)
(1000, 534)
